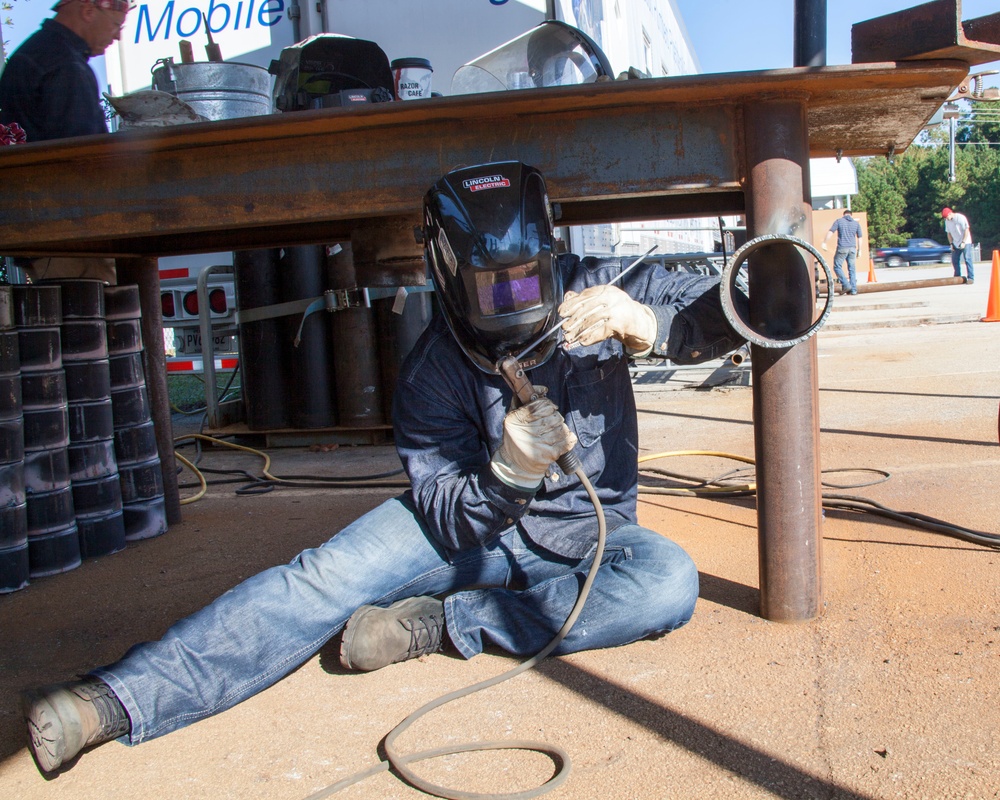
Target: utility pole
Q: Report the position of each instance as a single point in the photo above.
(951, 113)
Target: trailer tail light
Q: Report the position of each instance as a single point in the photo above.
(167, 307)
(191, 303)
(217, 301)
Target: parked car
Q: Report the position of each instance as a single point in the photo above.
(917, 251)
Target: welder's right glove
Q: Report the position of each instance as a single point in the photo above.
(534, 436)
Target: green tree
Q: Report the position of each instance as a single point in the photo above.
(881, 195)
(929, 191)
(981, 203)
(904, 198)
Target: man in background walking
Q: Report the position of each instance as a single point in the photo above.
(848, 232)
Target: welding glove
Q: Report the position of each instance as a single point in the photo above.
(534, 436)
(600, 312)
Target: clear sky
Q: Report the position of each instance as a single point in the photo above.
(737, 35)
(727, 35)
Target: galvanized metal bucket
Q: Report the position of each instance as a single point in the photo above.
(217, 89)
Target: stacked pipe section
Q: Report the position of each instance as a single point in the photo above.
(345, 368)
(256, 282)
(53, 537)
(141, 478)
(14, 571)
(97, 498)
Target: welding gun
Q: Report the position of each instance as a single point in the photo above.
(512, 371)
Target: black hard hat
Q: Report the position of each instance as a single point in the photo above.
(489, 243)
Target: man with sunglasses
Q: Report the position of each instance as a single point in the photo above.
(49, 89)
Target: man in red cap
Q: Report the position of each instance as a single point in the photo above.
(960, 236)
(49, 89)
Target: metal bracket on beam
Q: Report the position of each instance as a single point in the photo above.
(930, 31)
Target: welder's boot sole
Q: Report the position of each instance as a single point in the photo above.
(65, 718)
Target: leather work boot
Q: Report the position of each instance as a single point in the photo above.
(375, 637)
(67, 717)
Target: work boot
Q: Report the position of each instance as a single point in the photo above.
(375, 637)
(67, 717)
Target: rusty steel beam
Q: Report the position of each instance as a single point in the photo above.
(785, 383)
(614, 151)
(933, 30)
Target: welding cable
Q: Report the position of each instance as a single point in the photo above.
(559, 756)
(698, 487)
(863, 504)
(201, 480)
(715, 489)
(269, 481)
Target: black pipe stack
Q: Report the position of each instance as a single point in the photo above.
(310, 379)
(355, 350)
(344, 371)
(256, 283)
(53, 538)
(97, 497)
(134, 441)
(14, 571)
(397, 333)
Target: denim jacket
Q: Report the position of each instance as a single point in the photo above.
(49, 89)
(448, 418)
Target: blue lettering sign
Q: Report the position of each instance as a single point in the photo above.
(212, 8)
(168, 16)
(197, 22)
(220, 16)
(271, 7)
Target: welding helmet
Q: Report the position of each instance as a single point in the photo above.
(488, 236)
(550, 54)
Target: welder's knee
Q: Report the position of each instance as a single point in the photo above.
(673, 602)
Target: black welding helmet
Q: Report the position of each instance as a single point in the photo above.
(489, 241)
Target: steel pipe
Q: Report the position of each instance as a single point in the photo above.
(785, 386)
(145, 273)
(731, 270)
(893, 286)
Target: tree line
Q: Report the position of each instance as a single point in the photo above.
(903, 196)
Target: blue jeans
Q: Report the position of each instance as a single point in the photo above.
(957, 254)
(850, 254)
(265, 627)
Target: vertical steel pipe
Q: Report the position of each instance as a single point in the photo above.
(785, 391)
(145, 272)
(810, 33)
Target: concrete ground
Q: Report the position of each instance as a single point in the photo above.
(891, 693)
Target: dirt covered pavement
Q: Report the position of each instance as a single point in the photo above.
(892, 693)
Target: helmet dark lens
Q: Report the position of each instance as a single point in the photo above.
(509, 291)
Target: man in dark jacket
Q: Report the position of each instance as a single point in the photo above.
(490, 544)
(49, 89)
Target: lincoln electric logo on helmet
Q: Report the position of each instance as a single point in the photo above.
(486, 182)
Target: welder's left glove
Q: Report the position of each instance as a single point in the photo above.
(600, 312)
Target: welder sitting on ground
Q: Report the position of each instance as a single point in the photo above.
(488, 506)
